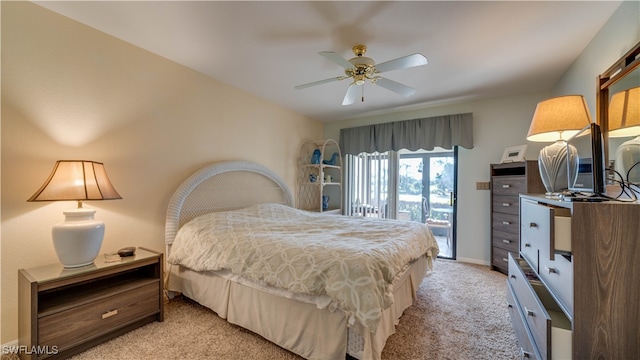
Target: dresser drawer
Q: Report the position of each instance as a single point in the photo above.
(549, 327)
(505, 240)
(557, 274)
(525, 338)
(66, 328)
(506, 223)
(500, 258)
(505, 204)
(535, 231)
(509, 185)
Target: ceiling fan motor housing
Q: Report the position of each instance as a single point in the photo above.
(364, 66)
(364, 69)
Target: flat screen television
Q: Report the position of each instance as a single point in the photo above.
(587, 179)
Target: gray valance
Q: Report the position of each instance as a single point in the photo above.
(444, 131)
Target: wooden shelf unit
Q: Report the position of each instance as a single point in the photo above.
(313, 183)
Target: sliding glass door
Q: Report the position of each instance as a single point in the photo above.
(426, 193)
(414, 186)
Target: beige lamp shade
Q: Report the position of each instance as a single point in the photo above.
(624, 113)
(78, 239)
(559, 118)
(77, 180)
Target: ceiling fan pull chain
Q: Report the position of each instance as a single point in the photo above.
(362, 92)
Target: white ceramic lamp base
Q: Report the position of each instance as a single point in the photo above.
(627, 155)
(552, 163)
(78, 240)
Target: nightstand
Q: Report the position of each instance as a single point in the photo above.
(62, 312)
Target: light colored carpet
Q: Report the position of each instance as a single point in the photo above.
(460, 313)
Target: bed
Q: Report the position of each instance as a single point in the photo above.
(266, 287)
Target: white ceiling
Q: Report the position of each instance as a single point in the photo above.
(476, 49)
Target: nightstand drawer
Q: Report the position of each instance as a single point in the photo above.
(67, 328)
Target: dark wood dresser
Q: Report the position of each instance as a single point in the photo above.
(507, 182)
(573, 290)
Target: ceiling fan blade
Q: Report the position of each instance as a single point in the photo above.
(402, 63)
(396, 87)
(351, 95)
(320, 82)
(337, 58)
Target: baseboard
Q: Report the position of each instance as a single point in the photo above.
(473, 261)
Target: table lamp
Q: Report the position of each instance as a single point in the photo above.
(78, 239)
(558, 119)
(624, 121)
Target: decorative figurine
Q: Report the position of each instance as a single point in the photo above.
(325, 202)
(313, 177)
(331, 161)
(315, 158)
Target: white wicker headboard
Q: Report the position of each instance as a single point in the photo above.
(223, 186)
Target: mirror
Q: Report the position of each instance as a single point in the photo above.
(618, 106)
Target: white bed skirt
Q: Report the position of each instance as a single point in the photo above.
(298, 325)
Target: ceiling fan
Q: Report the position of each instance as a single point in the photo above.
(361, 68)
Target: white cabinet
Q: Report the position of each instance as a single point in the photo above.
(320, 176)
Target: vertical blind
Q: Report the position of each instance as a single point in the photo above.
(370, 188)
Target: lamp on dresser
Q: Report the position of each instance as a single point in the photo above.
(78, 239)
(556, 120)
(624, 121)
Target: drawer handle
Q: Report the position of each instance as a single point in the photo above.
(506, 241)
(109, 314)
(551, 270)
(527, 245)
(506, 186)
(513, 276)
(506, 223)
(506, 204)
(529, 312)
(509, 305)
(505, 259)
(533, 225)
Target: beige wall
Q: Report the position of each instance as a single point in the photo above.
(616, 37)
(503, 122)
(70, 92)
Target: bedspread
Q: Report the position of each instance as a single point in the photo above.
(352, 260)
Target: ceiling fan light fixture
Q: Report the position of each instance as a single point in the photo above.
(359, 79)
